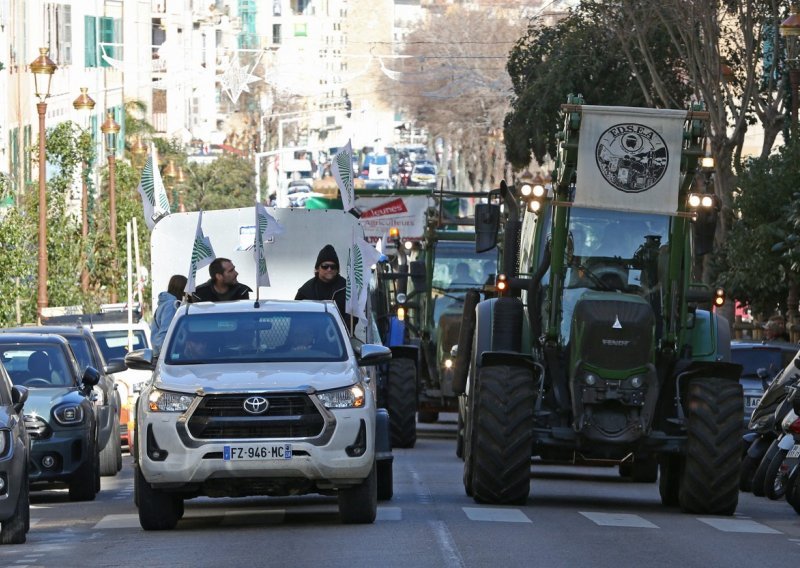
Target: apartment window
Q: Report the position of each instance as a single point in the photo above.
(276, 7)
(300, 30)
(58, 25)
(300, 6)
(276, 33)
(109, 36)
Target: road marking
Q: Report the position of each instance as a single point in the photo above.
(389, 514)
(495, 514)
(450, 554)
(738, 526)
(128, 521)
(619, 520)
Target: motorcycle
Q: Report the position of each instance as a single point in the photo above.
(787, 455)
(761, 439)
(793, 481)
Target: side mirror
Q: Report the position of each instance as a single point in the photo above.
(115, 366)
(371, 354)
(141, 359)
(91, 377)
(418, 278)
(487, 224)
(19, 395)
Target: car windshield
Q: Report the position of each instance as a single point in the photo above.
(250, 337)
(425, 169)
(759, 357)
(37, 365)
(456, 269)
(114, 343)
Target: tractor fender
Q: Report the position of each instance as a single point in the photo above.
(499, 330)
(710, 337)
(466, 335)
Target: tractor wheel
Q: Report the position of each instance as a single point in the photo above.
(669, 480)
(503, 434)
(460, 430)
(401, 402)
(710, 481)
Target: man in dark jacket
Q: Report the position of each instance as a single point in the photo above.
(327, 283)
(223, 285)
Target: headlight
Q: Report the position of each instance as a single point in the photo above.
(69, 414)
(350, 397)
(5, 442)
(163, 401)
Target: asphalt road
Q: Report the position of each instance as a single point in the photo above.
(574, 517)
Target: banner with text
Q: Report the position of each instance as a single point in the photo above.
(379, 214)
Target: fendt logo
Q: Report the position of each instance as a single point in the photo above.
(631, 157)
(256, 405)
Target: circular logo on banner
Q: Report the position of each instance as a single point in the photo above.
(631, 157)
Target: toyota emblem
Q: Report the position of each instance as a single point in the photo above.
(256, 405)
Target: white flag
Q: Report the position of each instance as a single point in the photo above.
(202, 255)
(342, 167)
(154, 194)
(266, 227)
(360, 259)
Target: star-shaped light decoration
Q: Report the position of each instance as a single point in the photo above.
(236, 79)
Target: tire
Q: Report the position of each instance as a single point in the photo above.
(760, 476)
(158, 510)
(15, 528)
(460, 431)
(749, 467)
(774, 480)
(793, 495)
(669, 479)
(359, 504)
(710, 481)
(469, 441)
(111, 455)
(427, 416)
(401, 402)
(385, 480)
(503, 435)
(85, 483)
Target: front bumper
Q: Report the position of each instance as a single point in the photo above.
(69, 449)
(319, 462)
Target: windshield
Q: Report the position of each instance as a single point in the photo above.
(114, 343)
(37, 365)
(255, 337)
(456, 269)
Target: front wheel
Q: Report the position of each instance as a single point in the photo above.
(503, 435)
(401, 402)
(710, 480)
(15, 529)
(793, 494)
(775, 479)
(111, 455)
(359, 504)
(760, 476)
(158, 510)
(85, 483)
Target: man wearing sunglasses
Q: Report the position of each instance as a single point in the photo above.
(327, 283)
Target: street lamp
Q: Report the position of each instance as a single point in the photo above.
(170, 173)
(180, 180)
(138, 153)
(84, 104)
(790, 29)
(42, 69)
(110, 129)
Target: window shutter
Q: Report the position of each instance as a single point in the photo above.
(90, 47)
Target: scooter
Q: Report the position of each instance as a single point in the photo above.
(793, 481)
(764, 428)
(788, 453)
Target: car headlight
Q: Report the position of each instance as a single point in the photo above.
(165, 401)
(349, 397)
(69, 414)
(5, 442)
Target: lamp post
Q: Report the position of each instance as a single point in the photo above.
(180, 180)
(42, 69)
(84, 105)
(170, 173)
(110, 129)
(138, 153)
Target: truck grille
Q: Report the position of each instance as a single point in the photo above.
(287, 416)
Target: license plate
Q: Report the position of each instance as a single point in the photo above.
(794, 452)
(751, 401)
(256, 452)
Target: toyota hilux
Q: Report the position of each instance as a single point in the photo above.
(259, 398)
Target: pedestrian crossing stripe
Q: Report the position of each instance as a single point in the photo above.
(496, 514)
(738, 525)
(619, 520)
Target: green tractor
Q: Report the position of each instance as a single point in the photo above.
(601, 349)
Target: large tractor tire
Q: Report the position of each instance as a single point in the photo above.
(401, 402)
(710, 481)
(503, 435)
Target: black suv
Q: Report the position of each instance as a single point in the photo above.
(107, 399)
(59, 414)
(14, 453)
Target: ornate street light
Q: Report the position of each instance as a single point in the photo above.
(170, 174)
(110, 130)
(84, 104)
(42, 69)
(138, 153)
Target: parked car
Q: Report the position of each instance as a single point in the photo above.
(59, 414)
(14, 454)
(106, 398)
(423, 175)
(265, 398)
(767, 358)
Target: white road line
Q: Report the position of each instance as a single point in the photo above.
(619, 520)
(738, 526)
(128, 521)
(389, 514)
(450, 554)
(495, 514)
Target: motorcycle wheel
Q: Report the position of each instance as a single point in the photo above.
(761, 473)
(775, 479)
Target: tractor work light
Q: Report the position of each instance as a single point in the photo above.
(702, 201)
(502, 283)
(401, 313)
(409, 245)
(539, 191)
(719, 297)
(534, 205)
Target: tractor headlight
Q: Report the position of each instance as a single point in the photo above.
(349, 397)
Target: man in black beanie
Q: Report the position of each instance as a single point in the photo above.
(327, 283)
